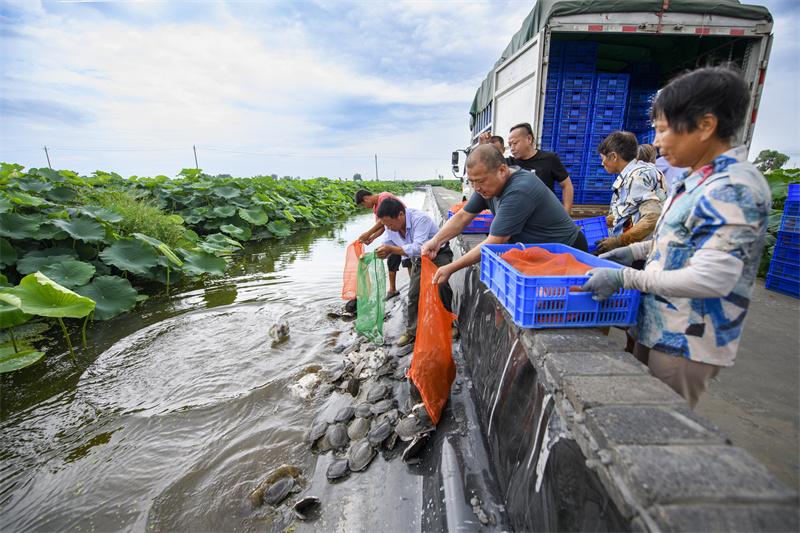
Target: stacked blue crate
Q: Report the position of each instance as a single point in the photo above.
(784, 268)
(646, 137)
(575, 107)
(548, 136)
(608, 115)
(643, 88)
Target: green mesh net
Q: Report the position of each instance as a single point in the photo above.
(371, 295)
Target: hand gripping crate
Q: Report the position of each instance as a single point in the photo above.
(594, 228)
(480, 224)
(553, 301)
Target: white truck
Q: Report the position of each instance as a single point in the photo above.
(677, 35)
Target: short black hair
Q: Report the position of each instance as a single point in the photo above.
(720, 91)
(497, 139)
(526, 126)
(623, 143)
(486, 154)
(391, 207)
(361, 194)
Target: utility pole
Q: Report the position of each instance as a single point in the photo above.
(48, 158)
(196, 166)
(376, 168)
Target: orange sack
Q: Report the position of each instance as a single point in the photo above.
(455, 208)
(350, 285)
(537, 261)
(432, 367)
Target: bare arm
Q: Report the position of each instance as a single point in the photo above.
(451, 228)
(470, 258)
(567, 194)
(372, 233)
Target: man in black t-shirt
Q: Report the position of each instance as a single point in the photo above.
(546, 165)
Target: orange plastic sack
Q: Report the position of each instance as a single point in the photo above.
(432, 367)
(537, 261)
(350, 285)
(455, 208)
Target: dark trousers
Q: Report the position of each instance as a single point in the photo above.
(445, 292)
(580, 242)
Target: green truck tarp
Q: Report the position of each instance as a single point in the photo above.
(544, 10)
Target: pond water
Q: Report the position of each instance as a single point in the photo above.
(176, 411)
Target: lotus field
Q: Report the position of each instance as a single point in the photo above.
(82, 248)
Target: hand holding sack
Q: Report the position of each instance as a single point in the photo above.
(432, 367)
(350, 285)
(371, 297)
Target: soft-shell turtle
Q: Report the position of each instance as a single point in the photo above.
(363, 410)
(360, 455)
(358, 428)
(307, 508)
(379, 433)
(382, 406)
(317, 431)
(416, 446)
(337, 469)
(378, 391)
(337, 436)
(344, 415)
(278, 491)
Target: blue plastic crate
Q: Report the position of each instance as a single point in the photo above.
(595, 229)
(646, 137)
(594, 183)
(571, 142)
(550, 301)
(790, 224)
(782, 285)
(788, 239)
(791, 208)
(480, 224)
(605, 127)
(790, 255)
(590, 197)
(785, 269)
(794, 192)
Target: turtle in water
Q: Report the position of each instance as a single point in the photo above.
(317, 431)
(344, 415)
(379, 433)
(278, 491)
(337, 469)
(307, 508)
(279, 332)
(337, 436)
(378, 391)
(360, 455)
(284, 471)
(382, 406)
(363, 410)
(358, 428)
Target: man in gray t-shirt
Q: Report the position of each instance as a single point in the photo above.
(525, 210)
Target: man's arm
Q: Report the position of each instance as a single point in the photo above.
(372, 233)
(567, 194)
(650, 211)
(470, 258)
(451, 228)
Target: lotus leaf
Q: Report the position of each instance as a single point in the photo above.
(226, 191)
(19, 227)
(32, 263)
(69, 273)
(38, 295)
(102, 214)
(197, 263)
(112, 295)
(242, 234)
(11, 360)
(33, 185)
(254, 215)
(288, 215)
(49, 231)
(26, 200)
(165, 250)
(279, 228)
(8, 255)
(82, 229)
(5, 204)
(224, 211)
(61, 194)
(10, 315)
(48, 173)
(131, 255)
(4, 280)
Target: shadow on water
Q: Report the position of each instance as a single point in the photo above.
(176, 410)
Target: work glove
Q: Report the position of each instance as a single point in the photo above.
(603, 282)
(608, 244)
(622, 256)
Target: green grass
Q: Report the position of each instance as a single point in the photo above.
(143, 216)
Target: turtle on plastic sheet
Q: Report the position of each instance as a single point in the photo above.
(317, 431)
(379, 391)
(363, 410)
(358, 428)
(338, 469)
(337, 436)
(344, 415)
(382, 406)
(379, 433)
(360, 455)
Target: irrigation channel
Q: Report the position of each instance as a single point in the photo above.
(178, 409)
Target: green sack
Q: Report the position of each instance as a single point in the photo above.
(371, 297)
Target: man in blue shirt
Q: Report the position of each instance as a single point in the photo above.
(407, 230)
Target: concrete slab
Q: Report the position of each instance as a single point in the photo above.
(651, 425)
(696, 474)
(562, 365)
(569, 340)
(586, 392)
(760, 517)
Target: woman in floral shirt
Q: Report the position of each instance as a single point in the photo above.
(703, 258)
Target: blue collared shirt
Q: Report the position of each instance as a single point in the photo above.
(419, 228)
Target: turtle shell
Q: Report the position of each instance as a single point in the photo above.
(360, 455)
(337, 436)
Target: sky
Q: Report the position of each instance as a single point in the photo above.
(299, 88)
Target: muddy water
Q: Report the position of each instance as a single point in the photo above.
(176, 411)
